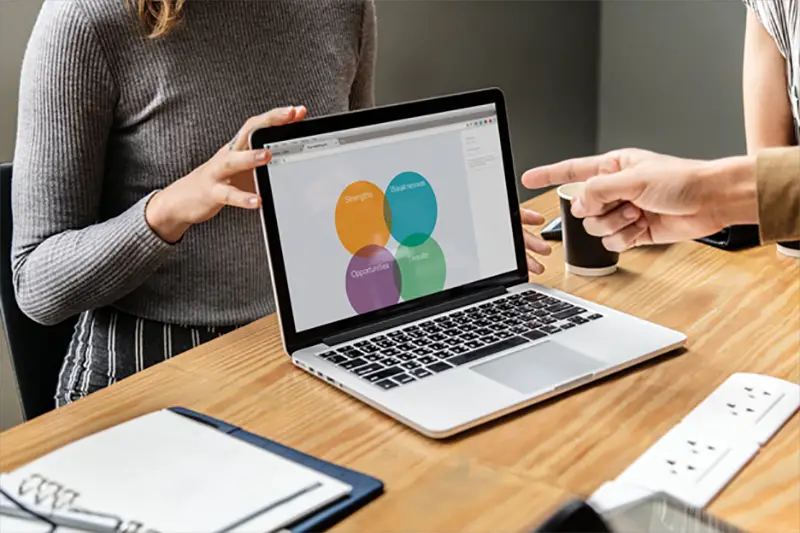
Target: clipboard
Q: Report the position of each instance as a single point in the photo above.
(365, 488)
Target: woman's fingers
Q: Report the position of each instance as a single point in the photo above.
(274, 117)
(301, 113)
(534, 265)
(613, 221)
(531, 218)
(536, 244)
(227, 163)
(225, 194)
(625, 238)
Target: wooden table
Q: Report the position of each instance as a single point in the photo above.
(741, 312)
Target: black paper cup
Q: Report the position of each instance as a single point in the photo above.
(791, 249)
(584, 254)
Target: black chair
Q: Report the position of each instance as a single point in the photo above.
(37, 351)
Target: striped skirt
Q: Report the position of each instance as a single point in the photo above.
(109, 345)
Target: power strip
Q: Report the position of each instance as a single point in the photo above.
(747, 406)
(697, 458)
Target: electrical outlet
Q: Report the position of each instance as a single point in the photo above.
(690, 463)
(750, 406)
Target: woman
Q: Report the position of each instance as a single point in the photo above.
(771, 78)
(133, 200)
(133, 208)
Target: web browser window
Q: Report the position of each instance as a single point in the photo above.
(379, 215)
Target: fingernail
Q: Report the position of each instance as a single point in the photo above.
(630, 212)
(641, 223)
(263, 155)
(577, 207)
(253, 200)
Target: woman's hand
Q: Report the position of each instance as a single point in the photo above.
(225, 179)
(533, 243)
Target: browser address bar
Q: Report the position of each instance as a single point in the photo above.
(311, 154)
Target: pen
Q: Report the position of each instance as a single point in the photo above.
(89, 522)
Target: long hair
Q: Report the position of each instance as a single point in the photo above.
(157, 16)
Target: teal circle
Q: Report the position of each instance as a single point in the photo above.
(410, 208)
(423, 268)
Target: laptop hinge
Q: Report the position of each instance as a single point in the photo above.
(363, 331)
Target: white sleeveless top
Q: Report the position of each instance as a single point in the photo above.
(781, 18)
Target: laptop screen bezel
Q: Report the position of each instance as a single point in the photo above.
(295, 340)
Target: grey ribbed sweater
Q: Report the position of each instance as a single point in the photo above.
(108, 116)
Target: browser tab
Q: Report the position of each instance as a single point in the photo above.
(320, 145)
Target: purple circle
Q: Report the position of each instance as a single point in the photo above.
(373, 279)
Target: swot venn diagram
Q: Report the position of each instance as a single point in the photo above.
(367, 218)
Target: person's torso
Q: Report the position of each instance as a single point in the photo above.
(183, 96)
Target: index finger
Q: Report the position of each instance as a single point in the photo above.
(227, 163)
(569, 171)
(273, 117)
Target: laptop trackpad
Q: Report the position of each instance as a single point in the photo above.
(541, 366)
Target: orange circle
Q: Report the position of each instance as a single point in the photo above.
(360, 218)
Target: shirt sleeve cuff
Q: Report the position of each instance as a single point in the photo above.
(778, 178)
(144, 233)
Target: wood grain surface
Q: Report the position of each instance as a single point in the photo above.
(741, 312)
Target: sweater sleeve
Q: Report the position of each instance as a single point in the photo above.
(65, 259)
(362, 92)
(778, 182)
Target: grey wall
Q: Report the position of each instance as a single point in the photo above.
(16, 21)
(670, 76)
(542, 54)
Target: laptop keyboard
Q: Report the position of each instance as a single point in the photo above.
(438, 344)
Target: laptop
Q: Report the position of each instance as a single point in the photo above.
(398, 265)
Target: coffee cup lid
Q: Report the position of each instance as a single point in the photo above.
(569, 190)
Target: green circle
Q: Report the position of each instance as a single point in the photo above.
(423, 269)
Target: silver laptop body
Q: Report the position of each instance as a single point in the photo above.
(435, 325)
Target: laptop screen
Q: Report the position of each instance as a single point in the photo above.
(374, 216)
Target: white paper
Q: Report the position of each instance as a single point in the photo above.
(170, 473)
